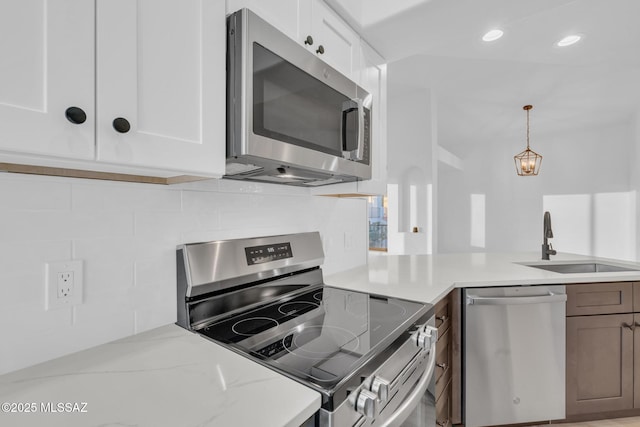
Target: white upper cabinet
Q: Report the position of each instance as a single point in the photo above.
(373, 78)
(46, 68)
(312, 24)
(334, 41)
(161, 84)
(127, 86)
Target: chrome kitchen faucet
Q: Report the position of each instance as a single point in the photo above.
(547, 248)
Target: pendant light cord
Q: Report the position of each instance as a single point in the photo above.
(527, 108)
(527, 129)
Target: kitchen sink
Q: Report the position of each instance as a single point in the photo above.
(587, 267)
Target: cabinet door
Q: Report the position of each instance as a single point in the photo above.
(47, 50)
(373, 78)
(340, 44)
(636, 361)
(161, 73)
(599, 363)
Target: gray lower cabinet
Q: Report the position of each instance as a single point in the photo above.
(600, 363)
(603, 350)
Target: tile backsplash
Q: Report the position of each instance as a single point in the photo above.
(126, 235)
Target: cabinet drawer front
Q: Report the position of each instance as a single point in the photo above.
(636, 296)
(443, 315)
(599, 298)
(443, 363)
(443, 408)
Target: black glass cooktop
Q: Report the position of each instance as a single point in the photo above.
(319, 336)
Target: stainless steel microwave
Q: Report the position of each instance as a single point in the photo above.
(291, 118)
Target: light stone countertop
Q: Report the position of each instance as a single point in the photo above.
(428, 278)
(164, 377)
(171, 377)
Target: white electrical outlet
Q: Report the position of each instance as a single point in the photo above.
(64, 284)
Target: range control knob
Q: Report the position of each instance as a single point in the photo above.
(431, 331)
(425, 336)
(365, 403)
(423, 340)
(380, 387)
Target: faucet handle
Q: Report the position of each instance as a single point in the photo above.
(551, 250)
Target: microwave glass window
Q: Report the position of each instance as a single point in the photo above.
(292, 106)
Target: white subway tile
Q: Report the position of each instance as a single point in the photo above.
(160, 226)
(16, 226)
(32, 320)
(20, 257)
(126, 234)
(202, 201)
(105, 312)
(158, 273)
(153, 317)
(100, 224)
(31, 195)
(103, 197)
(20, 289)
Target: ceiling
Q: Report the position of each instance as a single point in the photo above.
(481, 87)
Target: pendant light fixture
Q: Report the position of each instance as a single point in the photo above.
(528, 162)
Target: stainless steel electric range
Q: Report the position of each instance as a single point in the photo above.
(370, 357)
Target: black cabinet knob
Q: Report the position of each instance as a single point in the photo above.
(308, 40)
(320, 50)
(121, 125)
(75, 115)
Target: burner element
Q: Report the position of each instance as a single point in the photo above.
(324, 342)
(388, 310)
(293, 307)
(318, 296)
(253, 325)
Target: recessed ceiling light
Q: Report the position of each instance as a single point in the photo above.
(493, 35)
(569, 40)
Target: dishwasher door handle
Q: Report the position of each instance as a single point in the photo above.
(536, 299)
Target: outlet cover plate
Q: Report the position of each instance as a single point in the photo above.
(55, 299)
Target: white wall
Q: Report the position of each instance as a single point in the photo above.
(634, 158)
(126, 235)
(587, 164)
(409, 167)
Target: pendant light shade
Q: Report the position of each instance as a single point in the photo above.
(528, 162)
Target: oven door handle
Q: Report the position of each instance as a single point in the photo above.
(411, 401)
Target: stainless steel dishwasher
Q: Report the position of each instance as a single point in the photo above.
(514, 354)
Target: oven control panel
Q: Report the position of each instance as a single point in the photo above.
(268, 253)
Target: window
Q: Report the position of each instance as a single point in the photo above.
(377, 223)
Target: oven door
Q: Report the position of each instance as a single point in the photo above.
(289, 107)
(407, 376)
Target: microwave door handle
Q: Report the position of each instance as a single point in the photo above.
(359, 154)
(360, 149)
(349, 107)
